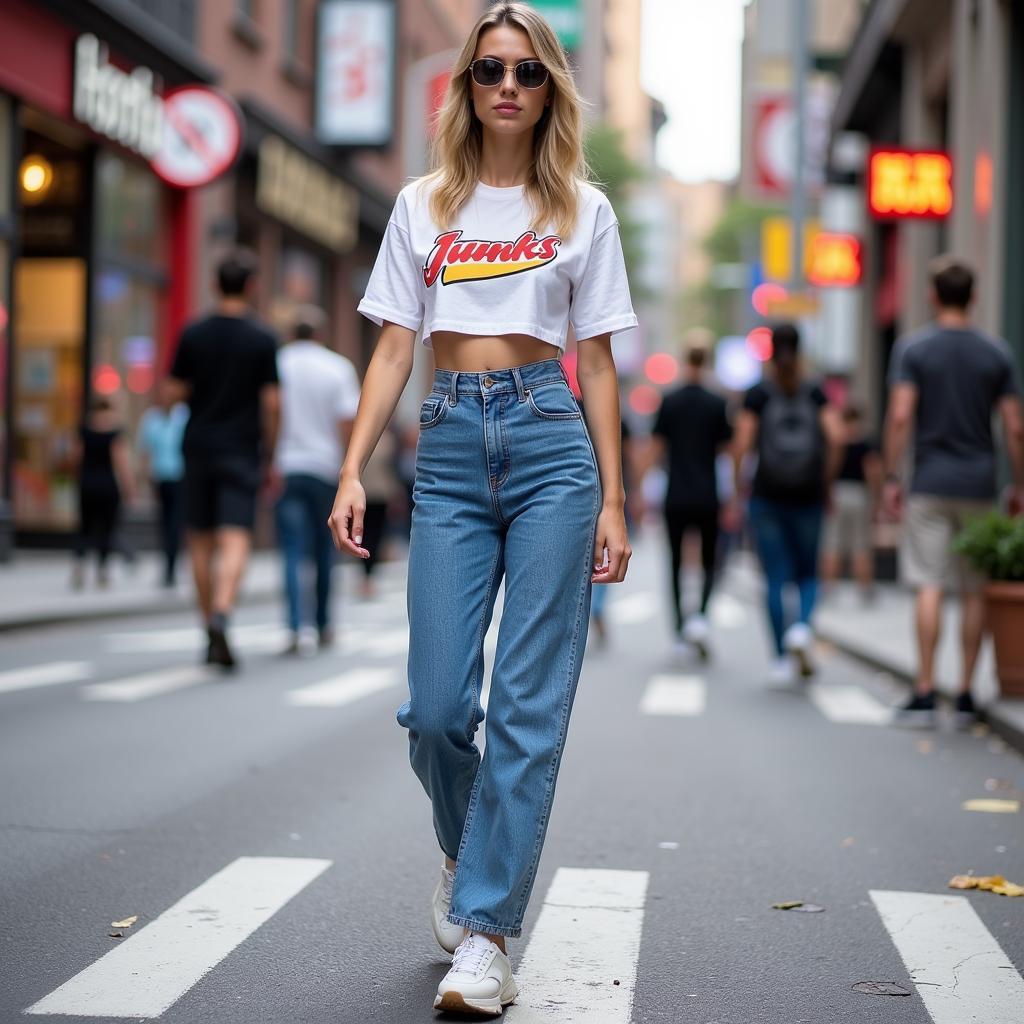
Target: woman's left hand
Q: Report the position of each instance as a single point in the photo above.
(611, 536)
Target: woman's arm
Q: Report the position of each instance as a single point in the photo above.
(386, 377)
(599, 384)
(123, 469)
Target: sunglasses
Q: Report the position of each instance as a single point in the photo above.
(488, 72)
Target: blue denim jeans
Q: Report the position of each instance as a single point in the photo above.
(787, 540)
(506, 487)
(302, 514)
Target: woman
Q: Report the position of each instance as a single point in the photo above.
(104, 477)
(495, 254)
(798, 444)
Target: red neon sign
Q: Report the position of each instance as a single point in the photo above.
(835, 261)
(910, 183)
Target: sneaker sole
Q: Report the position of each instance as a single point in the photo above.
(456, 1002)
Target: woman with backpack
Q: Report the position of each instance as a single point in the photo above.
(798, 440)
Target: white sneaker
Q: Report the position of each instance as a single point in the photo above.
(480, 979)
(782, 672)
(447, 934)
(696, 632)
(799, 640)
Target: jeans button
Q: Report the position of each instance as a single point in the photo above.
(488, 382)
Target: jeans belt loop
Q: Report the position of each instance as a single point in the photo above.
(518, 377)
(454, 393)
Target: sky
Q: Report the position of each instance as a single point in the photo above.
(691, 62)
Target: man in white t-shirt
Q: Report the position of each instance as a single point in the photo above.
(319, 397)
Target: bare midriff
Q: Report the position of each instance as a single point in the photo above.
(468, 353)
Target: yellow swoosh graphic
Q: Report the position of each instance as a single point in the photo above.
(480, 271)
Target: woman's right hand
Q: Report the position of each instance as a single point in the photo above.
(346, 519)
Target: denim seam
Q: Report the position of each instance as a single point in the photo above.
(563, 723)
(506, 455)
(483, 928)
(471, 807)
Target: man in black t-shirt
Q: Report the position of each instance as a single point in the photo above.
(948, 381)
(225, 367)
(691, 427)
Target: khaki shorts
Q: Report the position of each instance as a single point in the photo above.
(848, 527)
(927, 558)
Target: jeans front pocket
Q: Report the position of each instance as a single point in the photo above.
(433, 410)
(553, 402)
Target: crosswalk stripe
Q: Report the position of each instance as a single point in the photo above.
(44, 675)
(344, 689)
(630, 609)
(154, 968)
(587, 938)
(961, 973)
(727, 612)
(849, 705)
(253, 637)
(674, 695)
(148, 684)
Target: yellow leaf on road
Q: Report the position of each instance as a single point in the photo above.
(992, 806)
(987, 883)
(126, 923)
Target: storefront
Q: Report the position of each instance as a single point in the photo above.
(90, 249)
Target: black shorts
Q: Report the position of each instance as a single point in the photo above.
(221, 492)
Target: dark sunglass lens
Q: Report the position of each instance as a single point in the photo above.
(531, 74)
(488, 72)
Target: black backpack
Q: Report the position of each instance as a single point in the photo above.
(791, 444)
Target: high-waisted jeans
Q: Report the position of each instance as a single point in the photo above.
(506, 486)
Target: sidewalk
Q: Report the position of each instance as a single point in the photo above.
(35, 588)
(881, 634)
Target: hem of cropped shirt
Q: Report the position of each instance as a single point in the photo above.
(489, 330)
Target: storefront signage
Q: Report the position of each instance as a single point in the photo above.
(305, 196)
(565, 17)
(201, 139)
(909, 183)
(120, 105)
(356, 72)
(834, 261)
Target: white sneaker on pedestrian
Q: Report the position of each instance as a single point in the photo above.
(447, 934)
(696, 632)
(799, 640)
(480, 979)
(782, 672)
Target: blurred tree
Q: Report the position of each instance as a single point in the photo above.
(614, 172)
(735, 239)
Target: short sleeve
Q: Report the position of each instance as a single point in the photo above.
(600, 302)
(755, 400)
(661, 427)
(1007, 377)
(182, 366)
(905, 371)
(268, 364)
(394, 290)
(348, 393)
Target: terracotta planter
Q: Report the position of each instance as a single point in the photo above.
(1005, 604)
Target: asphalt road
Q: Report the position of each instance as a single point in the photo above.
(691, 799)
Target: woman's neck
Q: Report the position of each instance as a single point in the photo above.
(505, 160)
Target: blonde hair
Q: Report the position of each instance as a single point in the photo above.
(559, 165)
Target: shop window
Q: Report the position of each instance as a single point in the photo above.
(130, 210)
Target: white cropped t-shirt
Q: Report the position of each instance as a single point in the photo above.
(490, 273)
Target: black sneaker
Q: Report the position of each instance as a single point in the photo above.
(219, 652)
(919, 710)
(966, 713)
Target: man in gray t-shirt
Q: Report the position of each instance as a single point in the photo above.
(947, 382)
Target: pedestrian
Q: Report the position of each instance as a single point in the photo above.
(495, 254)
(382, 486)
(159, 442)
(319, 397)
(225, 367)
(797, 436)
(689, 431)
(104, 481)
(950, 381)
(855, 498)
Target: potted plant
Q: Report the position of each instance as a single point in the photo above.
(994, 545)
